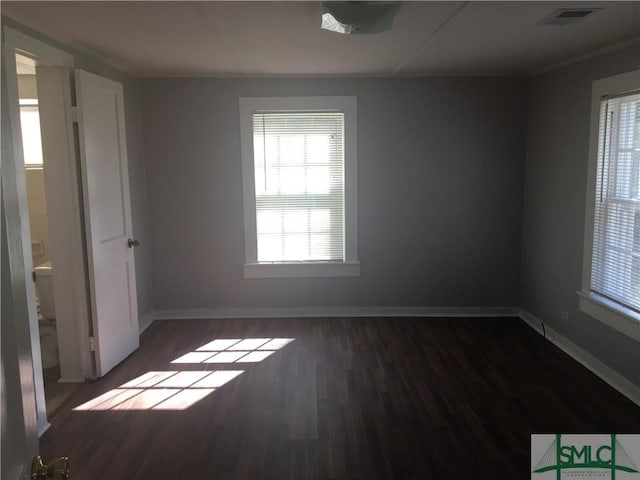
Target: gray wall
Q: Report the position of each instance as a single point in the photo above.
(135, 154)
(554, 208)
(440, 193)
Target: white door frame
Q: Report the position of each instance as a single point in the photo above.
(67, 253)
(16, 361)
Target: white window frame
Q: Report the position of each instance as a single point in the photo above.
(622, 319)
(348, 105)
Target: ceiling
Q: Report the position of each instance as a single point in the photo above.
(284, 38)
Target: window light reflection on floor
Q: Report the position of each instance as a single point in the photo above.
(162, 391)
(234, 350)
(178, 390)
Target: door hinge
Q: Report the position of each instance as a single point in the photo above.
(74, 114)
(92, 344)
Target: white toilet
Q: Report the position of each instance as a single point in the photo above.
(46, 315)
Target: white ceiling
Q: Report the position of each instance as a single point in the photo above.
(284, 38)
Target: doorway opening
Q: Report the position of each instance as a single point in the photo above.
(40, 226)
(46, 113)
(92, 323)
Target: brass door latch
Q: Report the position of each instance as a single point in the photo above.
(57, 470)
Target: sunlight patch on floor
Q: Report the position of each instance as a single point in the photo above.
(178, 390)
(234, 350)
(161, 391)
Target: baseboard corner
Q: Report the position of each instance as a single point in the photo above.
(584, 358)
(146, 321)
(42, 428)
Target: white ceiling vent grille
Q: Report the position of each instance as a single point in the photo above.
(568, 16)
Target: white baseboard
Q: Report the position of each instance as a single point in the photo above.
(146, 321)
(591, 363)
(43, 428)
(306, 312)
(532, 321)
(71, 380)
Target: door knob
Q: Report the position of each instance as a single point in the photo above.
(133, 243)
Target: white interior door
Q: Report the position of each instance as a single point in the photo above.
(107, 210)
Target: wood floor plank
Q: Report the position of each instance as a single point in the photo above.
(348, 398)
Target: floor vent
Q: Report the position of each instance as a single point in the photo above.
(568, 16)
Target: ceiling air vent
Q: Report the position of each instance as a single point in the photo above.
(567, 16)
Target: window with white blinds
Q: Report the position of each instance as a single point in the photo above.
(31, 140)
(299, 167)
(615, 267)
(299, 181)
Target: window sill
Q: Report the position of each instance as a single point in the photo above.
(610, 313)
(300, 269)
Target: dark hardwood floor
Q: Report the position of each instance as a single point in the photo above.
(366, 398)
(56, 392)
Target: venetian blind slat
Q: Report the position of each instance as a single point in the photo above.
(299, 181)
(616, 241)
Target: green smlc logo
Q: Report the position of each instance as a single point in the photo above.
(609, 456)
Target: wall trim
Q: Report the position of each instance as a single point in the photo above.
(26, 43)
(62, 39)
(145, 321)
(71, 380)
(305, 312)
(587, 360)
(587, 56)
(43, 428)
